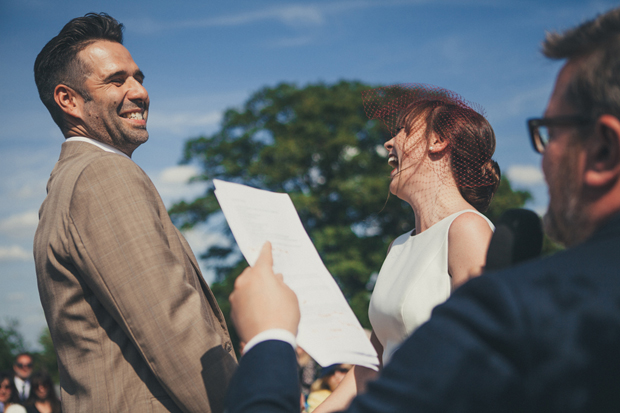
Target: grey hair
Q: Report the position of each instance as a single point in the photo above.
(595, 44)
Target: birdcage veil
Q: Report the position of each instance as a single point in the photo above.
(424, 111)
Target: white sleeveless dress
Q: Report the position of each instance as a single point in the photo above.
(413, 280)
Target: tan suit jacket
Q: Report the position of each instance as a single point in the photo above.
(135, 326)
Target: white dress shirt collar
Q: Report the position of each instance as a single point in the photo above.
(101, 145)
(23, 387)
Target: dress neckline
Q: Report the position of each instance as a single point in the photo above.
(413, 234)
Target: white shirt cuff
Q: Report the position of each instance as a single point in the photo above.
(271, 334)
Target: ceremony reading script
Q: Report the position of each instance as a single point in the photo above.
(329, 331)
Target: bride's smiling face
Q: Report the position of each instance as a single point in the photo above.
(406, 155)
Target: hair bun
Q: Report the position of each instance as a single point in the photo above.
(491, 169)
(480, 197)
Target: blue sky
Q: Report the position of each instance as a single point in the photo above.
(201, 57)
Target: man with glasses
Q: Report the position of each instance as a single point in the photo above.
(23, 370)
(540, 337)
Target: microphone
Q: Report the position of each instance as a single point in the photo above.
(518, 237)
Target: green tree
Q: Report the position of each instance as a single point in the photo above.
(506, 198)
(11, 343)
(316, 144)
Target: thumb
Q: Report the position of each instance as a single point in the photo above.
(265, 259)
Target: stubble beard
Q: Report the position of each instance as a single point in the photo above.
(108, 127)
(566, 220)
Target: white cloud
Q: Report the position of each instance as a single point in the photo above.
(178, 174)
(540, 210)
(293, 15)
(172, 183)
(15, 296)
(26, 171)
(37, 319)
(14, 253)
(203, 236)
(293, 41)
(525, 174)
(182, 122)
(29, 191)
(26, 221)
(202, 114)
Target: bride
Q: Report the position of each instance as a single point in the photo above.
(441, 154)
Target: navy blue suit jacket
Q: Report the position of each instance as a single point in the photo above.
(543, 336)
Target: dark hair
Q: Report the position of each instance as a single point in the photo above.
(595, 87)
(6, 375)
(22, 354)
(41, 378)
(471, 145)
(57, 63)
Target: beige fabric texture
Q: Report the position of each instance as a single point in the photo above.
(135, 326)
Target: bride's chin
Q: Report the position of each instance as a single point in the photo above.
(394, 188)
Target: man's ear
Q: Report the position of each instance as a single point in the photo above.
(603, 153)
(68, 100)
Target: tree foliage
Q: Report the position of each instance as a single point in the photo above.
(506, 198)
(316, 144)
(11, 344)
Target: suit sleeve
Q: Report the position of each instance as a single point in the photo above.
(266, 381)
(120, 229)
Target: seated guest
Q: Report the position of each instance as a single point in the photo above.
(42, 398)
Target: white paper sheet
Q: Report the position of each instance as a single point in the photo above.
(329, 331)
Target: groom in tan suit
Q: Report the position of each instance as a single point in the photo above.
(135, 326)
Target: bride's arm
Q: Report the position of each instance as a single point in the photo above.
(468, 241)
(354, 382)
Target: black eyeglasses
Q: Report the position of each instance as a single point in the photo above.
(24, 366)
(539, 128)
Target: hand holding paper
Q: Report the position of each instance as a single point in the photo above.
(328, 329)
(261, 301)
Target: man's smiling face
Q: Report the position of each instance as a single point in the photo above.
(116, 108)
